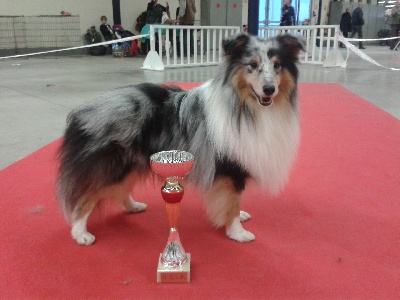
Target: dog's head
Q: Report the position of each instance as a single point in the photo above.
(262, 71)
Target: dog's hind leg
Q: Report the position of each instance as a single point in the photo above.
(131, 206)
(81, 213)
(79, 231)
(124, 189)
(236, 231)
(223, 209)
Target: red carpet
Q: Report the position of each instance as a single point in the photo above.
(334, 233)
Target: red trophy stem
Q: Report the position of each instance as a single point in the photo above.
(174, 254)
(173, 213)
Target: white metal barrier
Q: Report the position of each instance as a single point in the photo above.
(320, 40)
(167, 42)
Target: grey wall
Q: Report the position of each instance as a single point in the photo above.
(88, 10)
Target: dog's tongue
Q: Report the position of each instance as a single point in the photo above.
(265, 101)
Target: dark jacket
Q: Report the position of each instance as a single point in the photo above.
(357, 18)
(345, 22)
(395, 16)
(154, 13)
(287, 16)
(107, 32)
(188, 16)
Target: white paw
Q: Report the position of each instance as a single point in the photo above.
(241, 236)
(244, 216)
(238, 233)
(83, 238)
(136, 207)
(80, 233)
(133, 207)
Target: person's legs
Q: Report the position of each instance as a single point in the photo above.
(185, 41)
(192, 42)
(360, 34)
(109, 46)
(353, 32)
(394, 32)
(346, 35)
(358, 29)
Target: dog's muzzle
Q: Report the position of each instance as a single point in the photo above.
(265, 101)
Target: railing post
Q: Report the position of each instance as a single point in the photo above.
(153, 60)
(210, 40)
(152, 39)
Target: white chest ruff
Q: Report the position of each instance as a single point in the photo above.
(265, 145)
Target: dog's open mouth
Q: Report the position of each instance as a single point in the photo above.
(265, 101)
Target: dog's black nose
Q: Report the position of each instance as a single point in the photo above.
(268, 89)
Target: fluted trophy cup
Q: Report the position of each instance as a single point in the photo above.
(173, 165)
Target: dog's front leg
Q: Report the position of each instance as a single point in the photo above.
(223, 209)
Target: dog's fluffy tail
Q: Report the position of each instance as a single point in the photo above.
(86, 168)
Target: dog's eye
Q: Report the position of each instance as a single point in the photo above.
(253, 65)
(277, 66)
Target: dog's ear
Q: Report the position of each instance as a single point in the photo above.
(290, 45)
(234, 46)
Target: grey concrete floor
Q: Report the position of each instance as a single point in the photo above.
(37, 93)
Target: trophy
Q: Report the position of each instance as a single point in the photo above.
(174, 262)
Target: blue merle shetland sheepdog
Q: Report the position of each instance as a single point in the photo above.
(243, 124)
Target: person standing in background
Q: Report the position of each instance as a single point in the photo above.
(106, 29)
(345, 24)
(155, 12)
(287, 15)
(186, 17)
(357, 22)
(153, 5)
(394, 15)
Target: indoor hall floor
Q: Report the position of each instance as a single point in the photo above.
(37, 93)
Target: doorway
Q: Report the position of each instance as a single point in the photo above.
(270, 11)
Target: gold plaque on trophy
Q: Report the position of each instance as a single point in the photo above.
(180, 274)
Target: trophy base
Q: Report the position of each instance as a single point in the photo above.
(174, 275)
